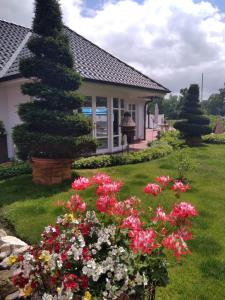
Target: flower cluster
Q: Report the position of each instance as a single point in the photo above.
(87, 255)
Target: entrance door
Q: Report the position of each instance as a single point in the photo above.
(102, 123)
(118, 112)
(97, 110)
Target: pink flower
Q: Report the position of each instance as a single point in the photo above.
(75, 204)
(179, 187)
(153, 189)
(101, 179)
(131, 222)
(160, 215)
(164, 180)
(126, 207)
(104, 203)
(186, 235)
(109, 188)
(143, 240)
(183, 210)
(176, 243)
(81, 183)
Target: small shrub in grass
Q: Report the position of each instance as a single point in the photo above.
(122, 250)
(184, 164)
(14, 170)
(214, 138)
(100, 161)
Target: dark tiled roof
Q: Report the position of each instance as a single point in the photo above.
(11, 36)
(93, 63)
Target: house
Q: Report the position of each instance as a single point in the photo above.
(110, 86)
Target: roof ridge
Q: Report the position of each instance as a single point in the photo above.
(1, 20)
(126, 64)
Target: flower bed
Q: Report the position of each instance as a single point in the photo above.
(103, 257)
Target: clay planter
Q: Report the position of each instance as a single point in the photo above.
(50, 171)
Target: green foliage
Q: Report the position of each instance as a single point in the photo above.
(193, 124)
(2, 128)
(14, 170)
(173, 138)
(52, 125)
(214, 138)
(184, 164)
(158, 150)
(215, 105)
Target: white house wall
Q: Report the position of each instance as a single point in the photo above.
(11, 96)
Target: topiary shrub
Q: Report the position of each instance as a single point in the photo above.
(52, 125)
(2, 128)
(193, 124)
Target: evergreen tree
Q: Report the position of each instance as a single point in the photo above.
(52, 125)
(193, 124)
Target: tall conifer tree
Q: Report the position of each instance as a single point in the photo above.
(52, 125)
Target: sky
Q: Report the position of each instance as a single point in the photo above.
(171, 41)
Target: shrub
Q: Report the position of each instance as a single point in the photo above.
(193, 124)
(99, 161)
(173, 138)
(51, 128)
(184, 164)
(214, 138)
(109, 254)
(14, 170)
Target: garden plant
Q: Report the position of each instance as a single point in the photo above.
(193, 124)
(121, 249)
(52, 126)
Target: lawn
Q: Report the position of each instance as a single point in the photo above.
(202, 275)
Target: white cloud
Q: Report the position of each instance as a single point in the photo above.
(172, 41)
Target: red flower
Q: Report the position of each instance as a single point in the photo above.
(69, 281)
(143, 240)
(109, 188)
(83, 282)
(76, 204)
(86, 254)
(160, 215)
(104, 203)
(183, 210)
(153, 189)
(81, 183)
(177, 244)
(84, 228)
(164, 180)
(125, 208)
(101, 179)
(131, 222)
(179, 187)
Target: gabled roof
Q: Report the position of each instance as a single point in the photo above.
(92, 62)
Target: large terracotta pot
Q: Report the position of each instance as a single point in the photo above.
(50, 171)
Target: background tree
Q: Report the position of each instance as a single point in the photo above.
(52, 125)
(215, 105)
(193, 124)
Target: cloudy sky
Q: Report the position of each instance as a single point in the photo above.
(172, 41)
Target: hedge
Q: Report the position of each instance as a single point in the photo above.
(14, 170)
(172, 138)
(214, 138)
(158, 150)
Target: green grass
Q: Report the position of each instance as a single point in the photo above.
(200, 276)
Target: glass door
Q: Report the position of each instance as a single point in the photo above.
(118, 112)
(101, 123)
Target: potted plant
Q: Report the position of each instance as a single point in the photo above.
(119, 252)
(53, 131)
